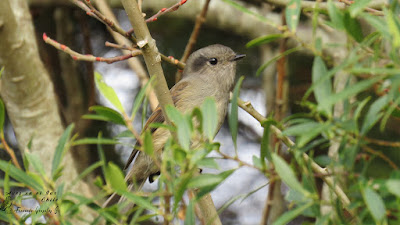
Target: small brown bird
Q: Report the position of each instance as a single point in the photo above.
(209, 72)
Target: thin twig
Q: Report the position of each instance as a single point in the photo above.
(118, 46)
(315, 167)
(9, 150)
(89, 58)
(368, 9)
(200, 19)
(165, 10)
(111, 24)
(382, 142)
(381, 155)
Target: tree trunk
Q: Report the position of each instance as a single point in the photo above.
(27, 91)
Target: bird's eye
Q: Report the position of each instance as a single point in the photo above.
(213, 61)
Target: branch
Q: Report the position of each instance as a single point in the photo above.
(246, 106)
(166, 10)
(372, 7)
(150, 53)
(89, 58)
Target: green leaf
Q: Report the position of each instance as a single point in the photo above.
(348, 92)
(233, 115)
(353, 27)
(106, 114)
(292, 214)
(140, 201)
(336, 15)
(375, 205)
(306, 131)
(388, 113)
(265, 149)
(374, 113)
(208, 163)
(378, 23)
(2, 112)
(183, 127)
(292, 13)
(210, 118)
(35, 161)
(323, 89)
(93, 141)
(87, 171)
(148, 147)
(208, 182)
(357, 7)
(190, 217)
(264, 40)
(115, 177)
(108, 92)
(20, 175)
(287, 175)
(247, 11)
(393, 25)
(60, 149)
(393, 186)
(140, 97)
(275, 58)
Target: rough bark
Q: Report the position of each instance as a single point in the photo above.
(27, 90)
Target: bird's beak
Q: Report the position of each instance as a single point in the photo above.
(237, 57)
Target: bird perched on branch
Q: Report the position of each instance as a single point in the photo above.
(209, 72)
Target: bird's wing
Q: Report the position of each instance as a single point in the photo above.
(157, 116)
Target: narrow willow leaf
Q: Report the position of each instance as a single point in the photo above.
(336, 15)
(87, 171)
(378, 23)
(35, 161)
(349, 91)
(307, 136)
(292, 13)
(264, 40)
(115, 177)
(140, 97)
(357, 7)
(20, 175)
(323, 89)
(292, 214)
(374, 113)
(353, 27)
(247, 11)
(275, 58)
(265, 150)
(60, 149)
(393, 186)
(208, 182)
(190, 217)
(140, 201)
(93, 141)
(210, 118)
(109, 114)
(287, 175)
(388, 113)
(148, 147)
(108, 92)
(233, 115)
(183, 127)
(375, 205)
(393, 25)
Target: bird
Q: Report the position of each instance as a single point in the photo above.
(209, 72)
